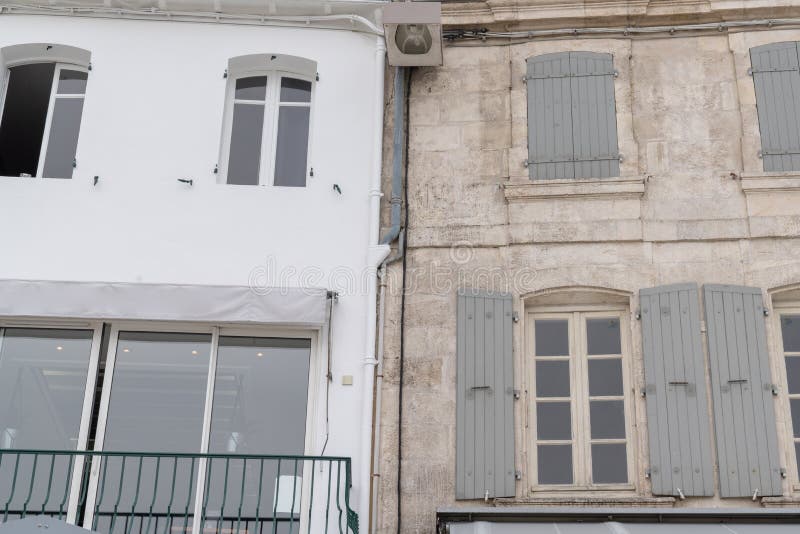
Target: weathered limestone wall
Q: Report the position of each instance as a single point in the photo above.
(692, 204)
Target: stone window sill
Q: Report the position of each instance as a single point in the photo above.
(589, 500)
(594, 188)
(767, 182)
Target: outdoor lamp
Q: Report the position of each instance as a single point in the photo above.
(413, 33)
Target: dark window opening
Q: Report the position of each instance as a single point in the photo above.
(24, 117)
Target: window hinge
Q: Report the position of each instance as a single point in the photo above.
(74, 163)
(774, 389)
(783, 472)
(517, 475)
(647, 473)
(317, 77)
(766, 312)
(225, 74)
(515, 317)
(643, 391)
(638, 315)
(516, 394)
(89, 67)
(750, 71)
(216, 168)
(311, 172)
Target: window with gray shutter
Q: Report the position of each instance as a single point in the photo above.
(572, 119)
(776, 76)
(485, 396)
(742, 391)
(675, 389)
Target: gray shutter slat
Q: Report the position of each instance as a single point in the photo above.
(677, 411)
(777, 84)
(484, 416)
(549, 118)
(741, 386)
(594, 121)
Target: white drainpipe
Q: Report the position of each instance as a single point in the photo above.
(376, 254)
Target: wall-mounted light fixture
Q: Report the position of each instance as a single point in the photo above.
(413, 33)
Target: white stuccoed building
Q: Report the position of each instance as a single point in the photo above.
(190, 202)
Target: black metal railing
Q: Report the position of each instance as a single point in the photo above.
(168, 493)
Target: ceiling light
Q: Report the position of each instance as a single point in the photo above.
(194, 352)
(260, 354)
(59, 347)
(413, 33)
(126, 350)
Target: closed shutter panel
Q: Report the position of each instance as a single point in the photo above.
(572, 117)
(485, 397)
(741, 386)
(677, 410)
(550, 149)
(594, 115)
(777, 83)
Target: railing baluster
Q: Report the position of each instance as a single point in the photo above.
(294, 490)
(49, 482)
(13, 488)
(135, 496)
(338, 485)
(275, 499)
(30, 486)
(189, 496)
(348, 485)
(241, 495)
(119, 495)
(206, 493)
(66, 487)
(328, 500)
(99, 501)
(224, 493)
(168, 519)
(311, 497)
(155, 492)
(258, 499)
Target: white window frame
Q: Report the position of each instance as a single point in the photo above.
(216, 332)
(269, 134)
(783, 387)
(59, 66)
(579, 395)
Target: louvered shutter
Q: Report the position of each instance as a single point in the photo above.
(572, 122)
(776, 76)
(677, 410)
(485, 396)
(550, 146)
(742, 391)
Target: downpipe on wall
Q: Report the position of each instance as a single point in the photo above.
(377, 253)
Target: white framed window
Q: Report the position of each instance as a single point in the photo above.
(789, 327)
(580, 406)
(42, 106)
(267, 124)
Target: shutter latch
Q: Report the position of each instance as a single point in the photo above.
(516, 394)
(774, 389)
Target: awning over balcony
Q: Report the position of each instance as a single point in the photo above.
(521, 519)
(163, 302)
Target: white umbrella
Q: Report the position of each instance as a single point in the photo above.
(40, 524)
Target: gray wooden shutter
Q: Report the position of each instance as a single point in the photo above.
(742, 390)
(485, 396)
(677, 409)
(776, 76)
(572, 118)
(550, 150)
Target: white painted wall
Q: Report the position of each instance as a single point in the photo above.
(153, 114)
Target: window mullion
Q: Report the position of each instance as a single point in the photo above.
(270, 134)
(579, 421)
(48, 121)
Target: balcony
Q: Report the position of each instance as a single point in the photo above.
(168, 493)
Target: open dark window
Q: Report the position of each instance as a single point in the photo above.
(41, 118)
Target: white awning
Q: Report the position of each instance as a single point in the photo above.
(613, 527)
(162, 302)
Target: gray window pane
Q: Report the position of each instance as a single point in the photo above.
(260, 402)
(553, 420)
(790, 327)
(253, 88)
(158, 392)
(244, 159)
(552, 378)
(294, 90)
(72, 82)
(552, 337)
(605, 377)
(609, 463)
(554, 464)
(291, 152)
(795, 408)
(43, 377)
(602, 336)
(42, 385)
(793, 373)
(607, 419)
(63, 140)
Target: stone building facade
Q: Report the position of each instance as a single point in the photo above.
(691, 203)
